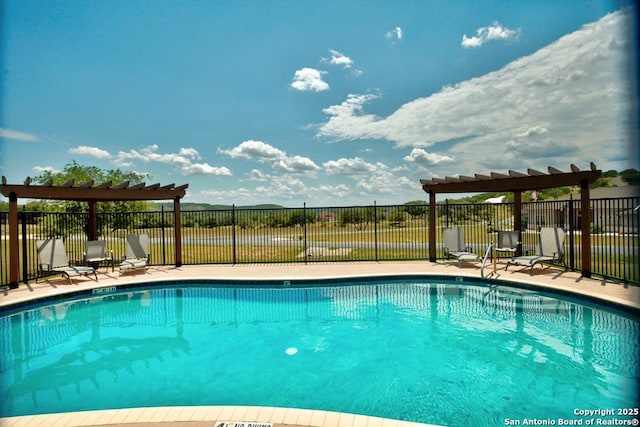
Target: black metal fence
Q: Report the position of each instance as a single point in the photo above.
(359, 233)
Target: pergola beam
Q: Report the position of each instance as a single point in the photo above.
(513, 182)
(101, 193)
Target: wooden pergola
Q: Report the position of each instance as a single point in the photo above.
(92, 194)
(517, 183)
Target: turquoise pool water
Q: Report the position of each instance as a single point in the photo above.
(455, 354)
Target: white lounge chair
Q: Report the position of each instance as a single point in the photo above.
(53, 260)
(96, 254)
(550, 249)
(508, 241)
(454, 246)
(136, 253)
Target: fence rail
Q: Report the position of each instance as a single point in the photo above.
(358, 233)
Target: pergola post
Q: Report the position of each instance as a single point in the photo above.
(432, 226)
(14, 262)
(177, 227)
(585, 227)
(92, 227)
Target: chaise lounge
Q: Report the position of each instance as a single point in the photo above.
(136, 253)
(53, 260)
(550, 249)
(454, 246)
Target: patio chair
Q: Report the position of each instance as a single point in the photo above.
(550, 249)
(508, 241)
(136, 253)
(96, 254)
(454, 246)
(53, 260)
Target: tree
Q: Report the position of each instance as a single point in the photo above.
(359, 217)
(416, 208)
(79, 174)
(397, 217)
(630, 176)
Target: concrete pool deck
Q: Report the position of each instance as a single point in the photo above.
(551, 279)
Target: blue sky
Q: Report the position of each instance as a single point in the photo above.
(331, 103)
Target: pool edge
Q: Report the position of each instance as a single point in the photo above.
(202, 416)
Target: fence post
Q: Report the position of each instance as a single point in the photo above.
(571, 249)
(163, 239)
(233, 230)
(304, 230)
(446, 212)
(25, 263)
(375, 228)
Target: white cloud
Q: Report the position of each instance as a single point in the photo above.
(486, 34)
(42, 169)
(296, 164)
(257, 175)
(190, 153)
(333, 191)
(395, 34)
(532, 131)
(254, 150)
(240, 195)
(276, 158)
(205, 169)
(149, 154)
(347, 120)
(182, 160)
(370, 179)
(338, 58)
(572, 93)
(18, 136)
(385, 183)
(280, 188)
(96, 152)
(424, 159)
(355, 166)
(285, 186)
(309, 79)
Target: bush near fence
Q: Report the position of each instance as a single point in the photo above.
(357, 233)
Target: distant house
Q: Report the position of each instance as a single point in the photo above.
(629, 221)
(328, 217)
(613, 210)
(615, 215)
(536, 215)
(499, 199)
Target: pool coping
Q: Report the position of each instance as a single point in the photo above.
(209, 416)
(627, 298)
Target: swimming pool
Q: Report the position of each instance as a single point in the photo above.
(450, 353)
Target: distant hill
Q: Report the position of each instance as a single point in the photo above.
(190, 206)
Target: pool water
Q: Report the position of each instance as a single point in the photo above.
(443, 353)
